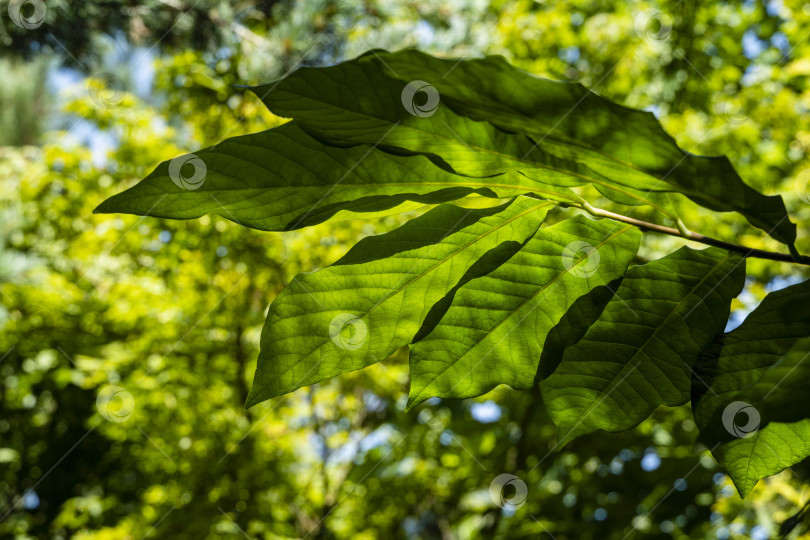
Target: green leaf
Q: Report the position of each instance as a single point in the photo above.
(357, 103)
(486, 296)
(284, 179)
(569, 120)
(491, 116)
(639, 353)
(494, 331)
(748, 395)
(573, 325)
(373, 300)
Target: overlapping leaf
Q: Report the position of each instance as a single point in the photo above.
(485, 296)
(284, 179)
(356, 102)
(569, 120)
(749, 395)
(554, 132)
(372, 301)
(640, 351)
(494, 330)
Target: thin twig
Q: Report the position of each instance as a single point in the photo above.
(697, 237)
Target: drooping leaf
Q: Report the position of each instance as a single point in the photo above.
(284, 179)
(639, 353)
(494, 330)
(373, 300)
(569, 120)
(749, 393)
(560, 133)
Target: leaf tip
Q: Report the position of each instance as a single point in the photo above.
(566, 434)
(104, 207)
(115, 205)
(414, 399)
(744, 486)
(410, 405)
(255, 396)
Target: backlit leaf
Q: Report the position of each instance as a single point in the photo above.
(373, 300)
(639, 353)
(494, 330)
(749, 393)
(283, 179)
(554, 132)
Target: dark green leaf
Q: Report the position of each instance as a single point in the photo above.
(357, 103)
(639, 353)
(749, 393)
(554, 132)
(568, 120)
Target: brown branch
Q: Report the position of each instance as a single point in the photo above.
(696, 237)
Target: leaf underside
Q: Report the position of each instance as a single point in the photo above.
(380, 291)
(499, 118)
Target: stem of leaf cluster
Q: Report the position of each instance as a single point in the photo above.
(697, 237)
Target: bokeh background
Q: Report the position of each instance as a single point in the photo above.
(166, 315)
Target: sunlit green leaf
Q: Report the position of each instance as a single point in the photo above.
(283, 179)
(494, 330)
(373, 300)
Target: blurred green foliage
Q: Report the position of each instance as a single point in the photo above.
(171, 311)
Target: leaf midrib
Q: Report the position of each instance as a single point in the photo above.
(348, 186)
